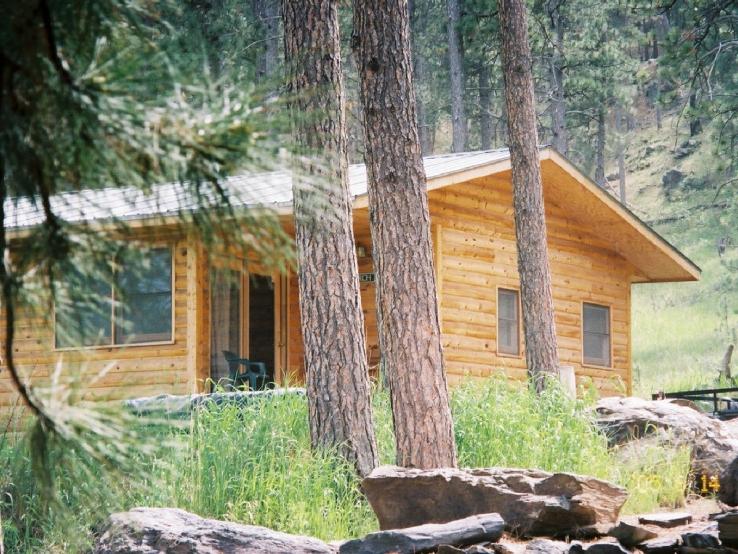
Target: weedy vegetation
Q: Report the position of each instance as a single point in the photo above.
(253, 464)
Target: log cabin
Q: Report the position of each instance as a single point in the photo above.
(194, 308)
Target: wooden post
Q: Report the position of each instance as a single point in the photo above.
(198, 320)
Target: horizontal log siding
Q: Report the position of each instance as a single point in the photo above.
(478, 254)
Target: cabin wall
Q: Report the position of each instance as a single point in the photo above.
(109, 372)
(474, 227)
(475, 253)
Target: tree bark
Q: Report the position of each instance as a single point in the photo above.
(600, 149)
(407, 305)
(560, 139)
(485, 102)
(621, 153)
(456, 70)
(695, 123)
(417, 28)
(267, 12)
(530, 218)
(331, 317)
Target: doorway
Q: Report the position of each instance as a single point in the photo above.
(261, 339)
(245, 319)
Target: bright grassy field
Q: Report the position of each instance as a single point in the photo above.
(681, 330)
(254, 465)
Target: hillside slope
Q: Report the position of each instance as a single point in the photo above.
(681, 330)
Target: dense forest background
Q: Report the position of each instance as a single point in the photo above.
(642, 95)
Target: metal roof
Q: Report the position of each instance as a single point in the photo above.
(264, 189)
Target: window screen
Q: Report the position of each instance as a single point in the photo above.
(508, 322)
(596, 334)
(144, 291)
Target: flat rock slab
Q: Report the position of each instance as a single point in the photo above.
(661, 545)
(531, 502)
(182, 405)
(666, 519)
(630, 535)
(545, 546)
(428, 537)
(169, 530)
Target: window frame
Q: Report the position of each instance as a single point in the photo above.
(112, 344)
(593, 364)
(500, 353)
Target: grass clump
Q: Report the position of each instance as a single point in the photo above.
(253, 464)
(503, 423)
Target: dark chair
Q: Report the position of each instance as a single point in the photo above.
(243, 370)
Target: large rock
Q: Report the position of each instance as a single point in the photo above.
(714, 444)
(531, 502)
(173, 531)
(428, 537)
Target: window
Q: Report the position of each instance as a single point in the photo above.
(596, 334)
(508, 322)
(136, 309)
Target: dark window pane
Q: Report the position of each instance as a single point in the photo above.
(82, 311)
(144, 298)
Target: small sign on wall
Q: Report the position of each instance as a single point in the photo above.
(366, 277)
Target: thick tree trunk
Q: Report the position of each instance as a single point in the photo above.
(331, 317)
(560, 138)
(695, 123)
(456, 70)
(417, 30)
(409, 327)
(600, 149)
(267, 12)
(530, 218)
(485, 105)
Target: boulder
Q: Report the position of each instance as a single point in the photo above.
(704, 538)
(169, 530)
(603, 548)
(428, 537)
(672, 178)
(728, 528)
(714, 444)
(630, 535)
(531, 502)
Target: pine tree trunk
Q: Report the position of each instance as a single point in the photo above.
(267, 12)
(485, 105)
(456, 70)
(407, 306)
(600, 149)
(417, 29)
(560, 139)
(621, 152)
(331, 317)
(695, 124)
(530, 219)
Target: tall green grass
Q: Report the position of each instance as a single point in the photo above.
(254, 465)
